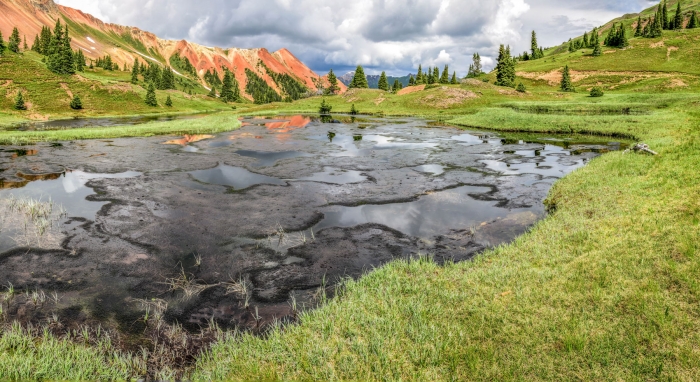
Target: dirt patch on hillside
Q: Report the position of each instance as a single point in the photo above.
(122, 87)
(669, 50)
(65, 87)
(447, 97)
(379, 100)
(677, 83)
(553, 78)
(7, 83)
(411, 89)
(659, 44)
(351, 96)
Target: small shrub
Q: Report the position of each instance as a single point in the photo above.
(19, 102)
(353, 110)
(169, 102)
(325, 108)
(521, 88)
(76, 103)
(597, 92)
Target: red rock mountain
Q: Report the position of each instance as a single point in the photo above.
(97, 39)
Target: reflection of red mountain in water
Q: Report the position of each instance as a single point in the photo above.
(188, 139)
(289, 124)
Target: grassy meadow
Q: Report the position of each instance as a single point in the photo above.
(605, 288)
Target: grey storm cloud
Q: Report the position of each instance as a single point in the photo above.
(391, 35)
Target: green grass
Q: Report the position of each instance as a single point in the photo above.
(103, 93)
(215, 123)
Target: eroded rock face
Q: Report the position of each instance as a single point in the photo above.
(345, 198)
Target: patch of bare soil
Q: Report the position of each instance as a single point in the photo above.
(7, 83)
(65, 87)
(120, 86)
(658, 44)
(677, 83)
(411, 89)
(669, 50)
(38, 117)
(447, 97)
(379, 100)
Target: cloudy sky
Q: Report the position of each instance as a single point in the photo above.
(391, 35)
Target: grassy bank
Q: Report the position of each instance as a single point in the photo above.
(604, 288)
(215, 123)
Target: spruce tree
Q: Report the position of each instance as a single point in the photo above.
(359, 80)
(597, 50)
(135, 72)
(585, 41)
(454, 81)
(571, 46)
(534, 47)
(478, 68)
(429, 79)
(14, 41)
(168, 101)
(325, 108)
(151, 95)
(332, 83)
(664, 16)
(212, 92)
(383, 82)
(419, 75)
(44, 40)
(411, 80)
(19, 101)
(2, 44)
(639, 30)
(693, 22)
(67, 60)
(227, 94)
(566, 85)
(79, 61)
(504, 68)
(353, 110)
(521, 88)
(436, 75)
(396, 87)
(36, 46)
(678, 20)
(76, 103)
(445, 78)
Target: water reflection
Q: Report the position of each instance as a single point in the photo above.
(269, 158)
(331, 175)
(236, 177)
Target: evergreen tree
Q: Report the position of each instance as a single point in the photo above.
(325, 108)
(76, 103)
(597, 50)
(359, 80)
(693, 22)
(151, 95)
(79, 61)
(571, 46)
(353, 110)
(595, 38)
(454, 81)
(505, 68)
(475, 70)
(585, 41)
(135, 72)
(212, 92)
(396, 87)
(678, 20)
(419, 76)
(445, 78)
(25, 47)
(36, 46)
(534, 48)
(227, 93)
(521, 88)
(429, 79)
(168, 101)
(332, 83)
(436, 75)
(2, 44)
(383, 82)
(411, 80)
(639, 31)
(14, 41)
(19, 102)
(566, 85)
(67, 60)
(44, 40)
(664, 16)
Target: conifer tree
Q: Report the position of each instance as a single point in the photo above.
(25, 46)
(353, 110)
(571, 46)
(454, 81)
(678, 20)
(14, 41)
(79, 61)
(19, 101)
(639, 30)
(534, 48)
(333, 83)
(325, 108)
(585, 41)
(396, 87)
(419, 76)
(436, 75)
(227, 93)
(151, 95)
(521, 88)
(76, 103)
(359, 80)
(36, 46)
(411, 80)
(2, 44)
(428, 76)
(383, 82)
(445, 78)
(212, 92)
(67, 60)
(566, 85)
(664, 16)
(478, 68)
(44, 40)
(168, 101)
(693, 22)
(505, 68)
(135, 72)
(597, 50)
